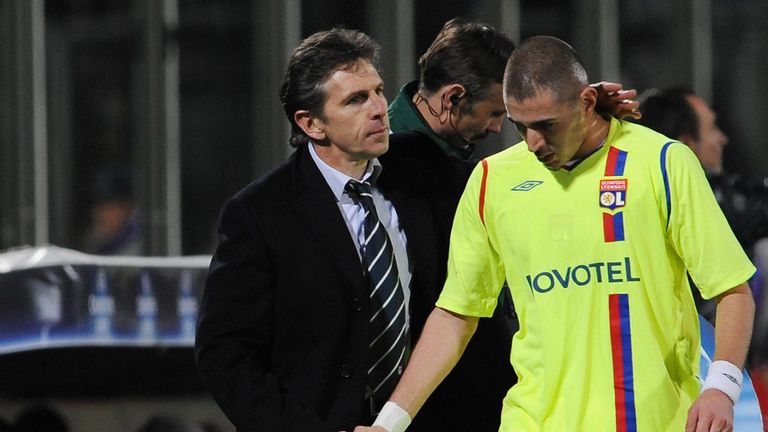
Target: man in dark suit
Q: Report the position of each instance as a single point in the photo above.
(286, 317)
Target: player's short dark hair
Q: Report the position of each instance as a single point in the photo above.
(310, 66)
(544, 63)
(669, 112)
(470, 54)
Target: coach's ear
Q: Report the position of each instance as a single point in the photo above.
(311, 124)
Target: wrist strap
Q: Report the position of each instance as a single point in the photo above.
(392, 418)
(726, 377)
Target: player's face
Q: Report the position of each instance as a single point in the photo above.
(354, 122)
(484, 116)
(553, 130)
(709, 146)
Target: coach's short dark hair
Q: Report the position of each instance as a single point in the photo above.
(470, 54)
(544, 63)
(669, 112)
(310, 66)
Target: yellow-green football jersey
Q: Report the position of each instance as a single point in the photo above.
(596, 258)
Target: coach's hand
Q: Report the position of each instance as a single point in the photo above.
(711, 412)
(614, 100)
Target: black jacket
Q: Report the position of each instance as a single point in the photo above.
(282, 334)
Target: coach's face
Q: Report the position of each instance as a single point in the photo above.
(553, 130)
(354, 125)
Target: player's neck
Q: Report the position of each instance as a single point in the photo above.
(596, 135)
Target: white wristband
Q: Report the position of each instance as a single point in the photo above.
(392, 418)
(726, 377)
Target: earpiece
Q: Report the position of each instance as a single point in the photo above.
(454, 98)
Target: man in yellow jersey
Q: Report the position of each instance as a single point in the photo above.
(594, 223)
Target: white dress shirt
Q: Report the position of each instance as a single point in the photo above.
(354, 215)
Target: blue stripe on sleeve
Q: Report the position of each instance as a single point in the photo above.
(665, 177)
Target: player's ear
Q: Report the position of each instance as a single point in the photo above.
(588, 98)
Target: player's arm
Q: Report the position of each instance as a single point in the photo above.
(440, 346)
(713, 410)
(733, 329)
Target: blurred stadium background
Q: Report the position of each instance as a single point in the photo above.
(125, 124)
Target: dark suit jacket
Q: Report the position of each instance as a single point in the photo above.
(282, 337)
(470, 398)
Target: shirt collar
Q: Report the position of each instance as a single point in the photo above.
(336, 179)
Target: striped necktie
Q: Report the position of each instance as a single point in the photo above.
(386, 326)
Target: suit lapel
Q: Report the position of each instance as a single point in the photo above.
(316, 206)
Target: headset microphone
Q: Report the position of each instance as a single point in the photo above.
(454, 99)
(454, 104)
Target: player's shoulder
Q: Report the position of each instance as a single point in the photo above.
(497, 165)
(643, 141)
(512, 161)
(635, 137)
(514, 154)
(657, 150)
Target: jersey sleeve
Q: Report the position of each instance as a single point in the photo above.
(475, 273)
(697, 228)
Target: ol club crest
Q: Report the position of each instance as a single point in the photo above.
(613, 193)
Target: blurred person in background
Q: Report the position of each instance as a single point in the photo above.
(116, 226)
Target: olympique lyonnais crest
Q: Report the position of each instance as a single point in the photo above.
(613, 193)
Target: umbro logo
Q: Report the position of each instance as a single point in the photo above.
(731, 377)
(527, 185)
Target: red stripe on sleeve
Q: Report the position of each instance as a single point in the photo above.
(482, 190)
